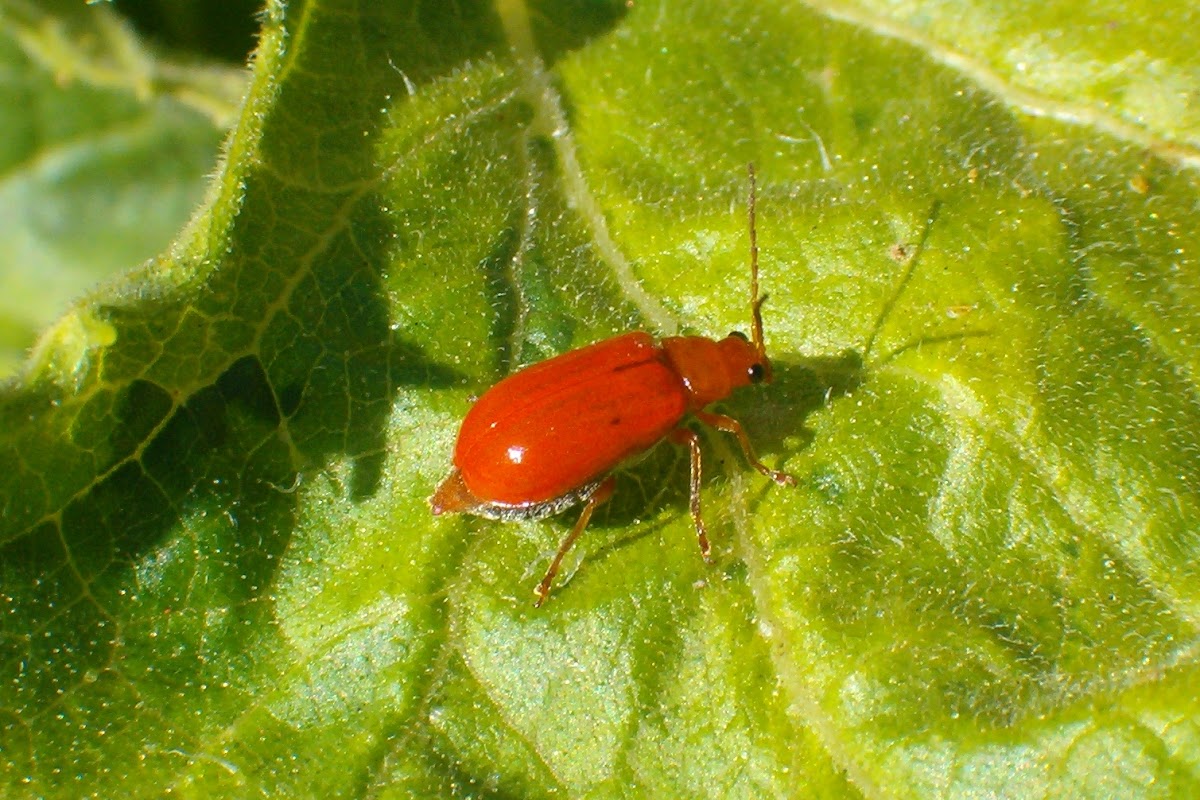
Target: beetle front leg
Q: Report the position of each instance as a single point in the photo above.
(731, 425)
(602, 493)
(689, 437)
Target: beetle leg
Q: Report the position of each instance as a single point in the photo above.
(602, 493)
(731, 425)
(689, 437)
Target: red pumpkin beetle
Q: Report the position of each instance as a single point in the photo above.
(549, 436)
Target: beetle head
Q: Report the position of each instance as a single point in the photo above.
(745, 361)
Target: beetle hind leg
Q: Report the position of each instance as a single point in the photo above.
(602, 492)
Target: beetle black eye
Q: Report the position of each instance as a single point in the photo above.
(739, 335)
(756, 373)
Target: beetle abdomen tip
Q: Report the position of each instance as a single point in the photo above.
(452, 495)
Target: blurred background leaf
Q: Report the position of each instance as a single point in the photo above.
(107, 147)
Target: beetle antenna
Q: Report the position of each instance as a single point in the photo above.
(755, 301)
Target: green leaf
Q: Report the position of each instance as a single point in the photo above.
(220, 575)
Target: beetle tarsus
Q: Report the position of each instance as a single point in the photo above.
(782, 478)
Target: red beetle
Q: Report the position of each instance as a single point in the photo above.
(549, 436)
